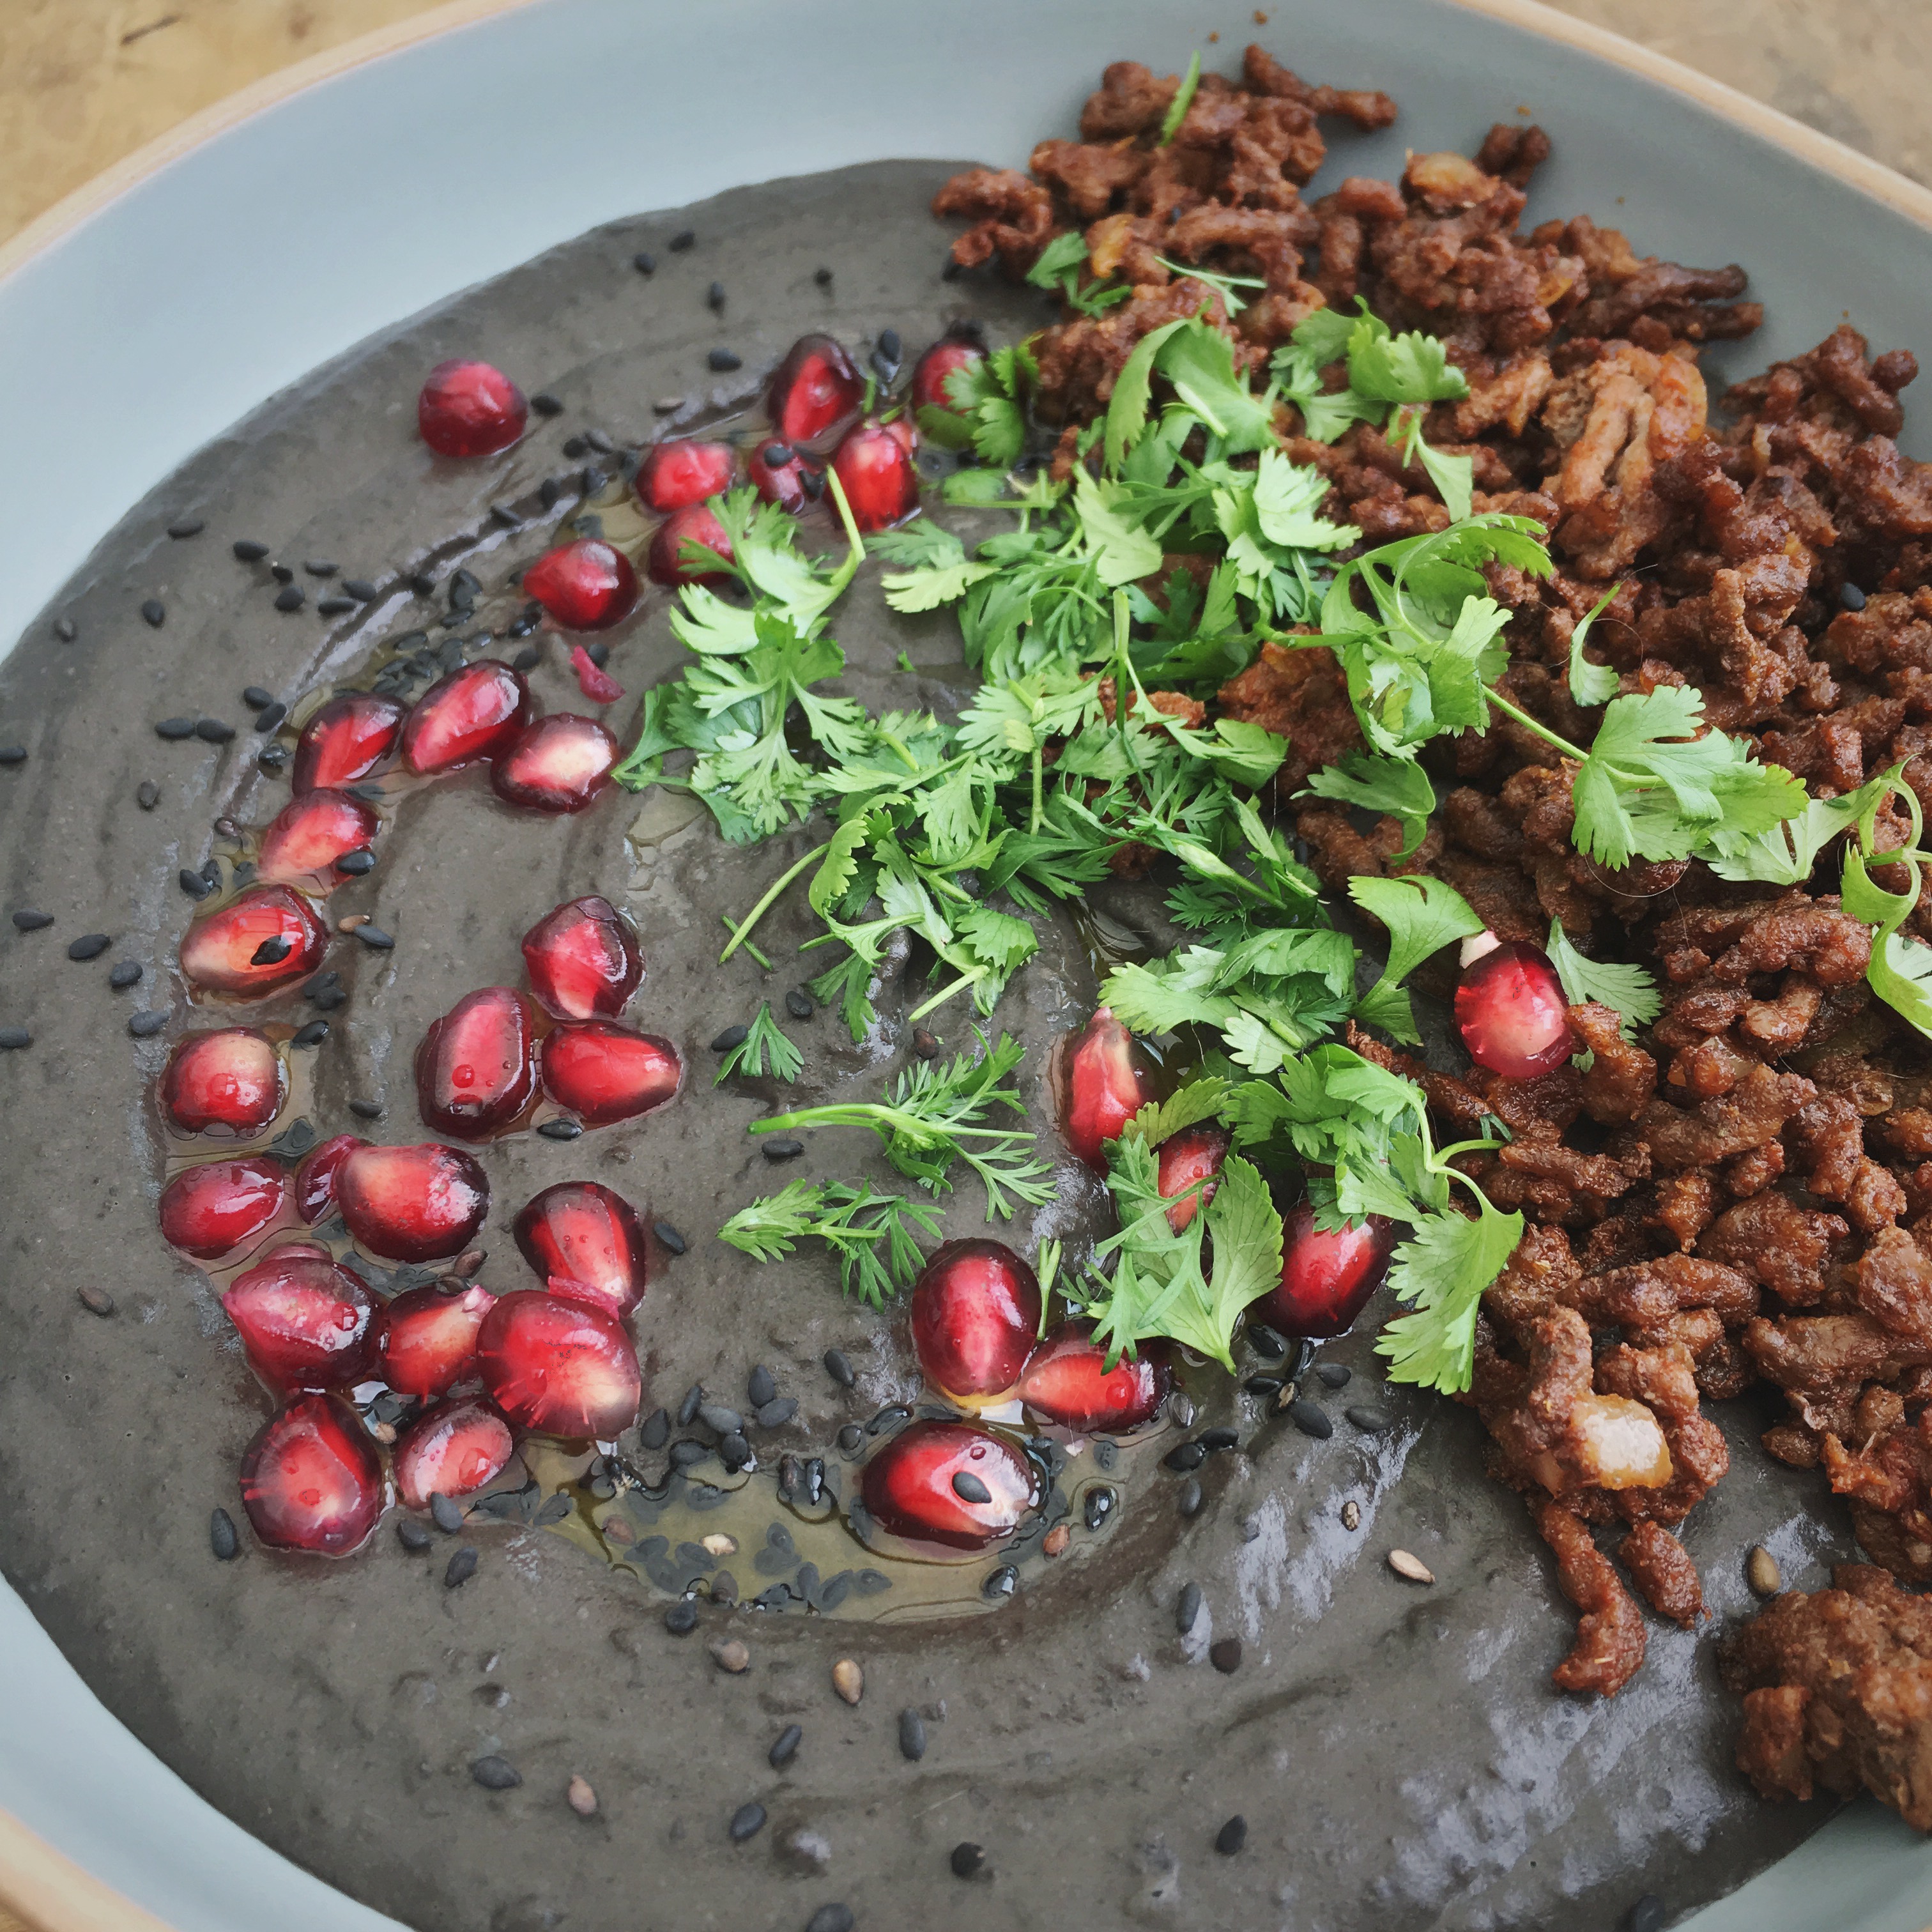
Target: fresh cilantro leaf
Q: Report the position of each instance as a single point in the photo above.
(1122, 552)
(1223, 286)
(1187, 1106)
(1629, 990)
(878, 1254)
(1059, 266)
(927, 589)
(1786, 853)
(1900, 974)
(1199, 360)
(764, 1038)
(1422, 915)
(1399, 786)
(1591, 683)
(1454, 476)
(1440, 1273)
(1127, 411)
(1411, 368)
(921, 544)
(1183, 99)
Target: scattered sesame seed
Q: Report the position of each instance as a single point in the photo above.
(95, 1300)
(681, 240)
(247, 551)
(1762, 1573)
(1231, 1836)
(89, 946)
(496, 1774)
(644, 262)
(145, 1025)
(187, 527)
(221, 1536)
(724, 359)
(290, 597)
(155, 612)
(1412, 1567)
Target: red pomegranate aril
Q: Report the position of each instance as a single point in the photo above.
(975, 1315)
(593, 679)
(1067, 1381)
(315, 1178)
(583, 960)
(411, 1203)
(1104, 1087)
(346, 740)
(470, 408)
(674, 475)
(910, 1492)
(1188, 1159)
(311, 1480)
(476, 1067)
(210, 1210)
(1511, 1012)
(582, 1231)
(560, 1366)
(666, 562)
(268, 937)
(588, 585)
(233, 1078)
(453, 1450)
(936, 369)
(309, 833)
(304, 1320)
(604, 1072)
(814, 391)
(472, 713)
(561, 763)
(426, 1340)
(778, 474)
(1326, 1278)
(874, 468)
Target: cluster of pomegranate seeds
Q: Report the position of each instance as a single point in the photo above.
(426, 1340)
(603, 1072)
(476, 1067)
(1103, 1087)
(1066, 1380)
(1327, 1278)
(975, 1311)
(470, 408)
(233, 1079)
(209, 1211)
(949, 1485)
(311, 1480)
(563, 1367)
(472, 713)
(814, 392)
(665, 561)
(1190, 1161)
(561, 763)
(586, 585)
(583, 960)
(411, 1203)
(266, 938)
(306, 838)
(778, 473)
(304, 1319)
(582, 1232)
(452, 1450)
(315, 1178)
(1511, 1011)
(874, 468)
(936, 368)
(346, 740)
(674, 475)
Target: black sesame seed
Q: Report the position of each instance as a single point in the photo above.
(12, 754)
(714, 296)
(313, 1034)
(375, 938)
(502, 514)
(145, 1025)
(155, 612)
(1099, 1506)
(411, 1535)
(282, 573)
(689, 1452)
(968, 1488)
(761, 1385)
(912, 1735)
(833, 1918)
(776, 1413)
(221, 1536)
(681, 1619)
(561, 1130)
(496, 1774)
(462, 1567)
(13, 1039)
(775, 455)
(823, 276)
(175, 729)
(687, 1409)
(786, 1747)
(775, 1151)
(88, 945)
(592, 480)
(1225, 1655)
(1310, 1419)
(357, 863)
(1266, 1342)
(256, 698)
(720, 1416)
(272, 758)
(528, 659)
(574, 446)
(422, 583)
(1852, 597)
(1266, 1387)
(644, 262)
(127, 973)
(213, 730)
(732, 1035)
(655, 1431)
(889, 345)
(1187, 1607)
(851, 1438)
(28, 920)
(599, 653)
(669, 1238)
(95, 1300)
(747, 1822)
(722, 359)
(271, 952)
(147, 794)
(1648, 1914)
(444, 1513)
(838, 1367)
(798, 1003)
(1190, 1497)
(925, 1044)
(735, 1453)
(365, 1110)
(1002, 1583)
(1184, 1457)
(247, 551)
(320, 566)
(598, 441)
(683, 240)
(545, 404)
(1213, 1439)
(188, 527)
(1370, 1421)
(1332, 1375)
(66, 629)
(359, 588)
(290, 597)
(333, 606)
(1231, 1836)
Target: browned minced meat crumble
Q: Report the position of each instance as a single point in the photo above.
(1746, 1194)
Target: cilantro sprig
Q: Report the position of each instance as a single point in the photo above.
(872, 1233)
(764, 1040)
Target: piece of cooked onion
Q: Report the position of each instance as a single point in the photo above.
(1614, 1443)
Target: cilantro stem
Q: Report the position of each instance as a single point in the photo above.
(855, 554)
(739, 933)
(939, 999)
(1542, 730)
(1039, 808)
(875, 1114)
(725, 920)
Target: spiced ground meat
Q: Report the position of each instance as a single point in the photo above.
(1743, 1193)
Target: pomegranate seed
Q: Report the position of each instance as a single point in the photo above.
(562, 1367)
(910, 1489)
(304, 1320)
(975, 1314)
(1326, 1279)
(560, 764)
(268, 937)
(453, 1450)
(210, 1210)
(472, 713)
(426, 1340)
(583, 960)
(411, 1203)
(595, 683)
(813, 392)
(780, 481)
(476, 1068)
(1067, 1381)
(469, 409)
(674, 475)
(580, 1232)
(233, 1078)
(604, 1072)
(874, 466)
(665, 561)
(1104, 1087)
(936, 369)
(315, 1178)
(311, 1480)
(1187, 1158)
(346, 740)
(1511, 1012)
(309, 834)
(588, 585)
